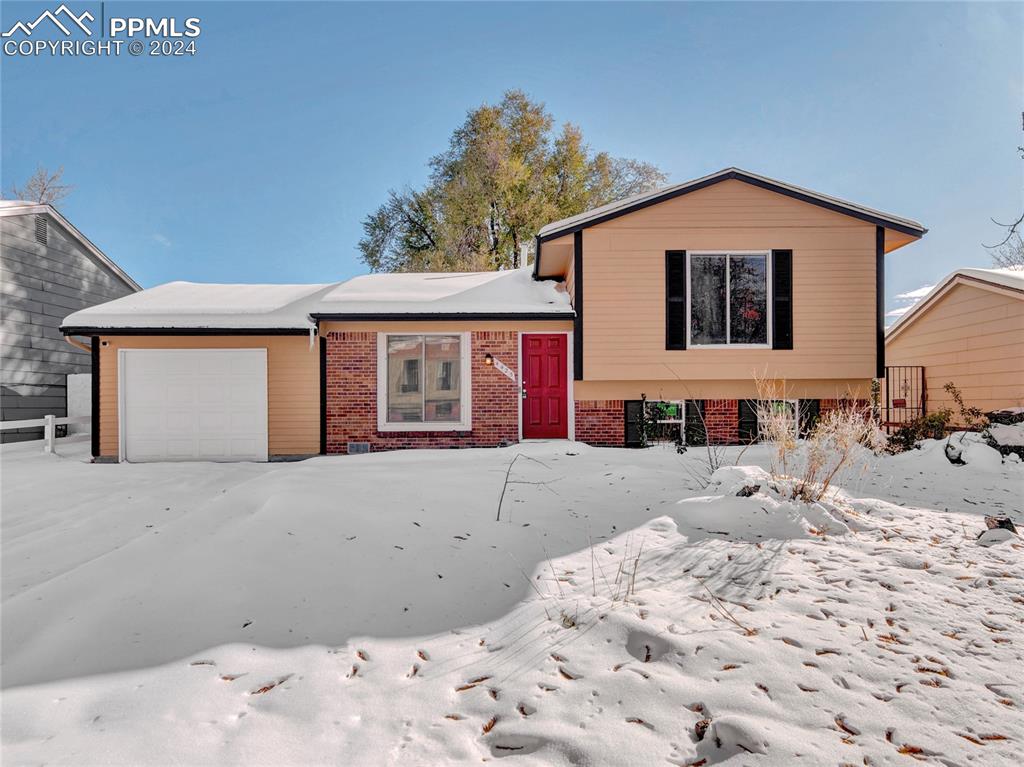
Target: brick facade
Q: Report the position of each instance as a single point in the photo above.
(352, 396)
(352, 402)
(601, 422)
(722, 420)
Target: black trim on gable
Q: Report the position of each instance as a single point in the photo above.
(536, 257)
(426, 316)
(76, 331)
(323, 395)
(94, 426)
(880, 302)
(734, 175)
(577, 323)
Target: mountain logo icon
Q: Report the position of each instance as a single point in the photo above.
(70, 20)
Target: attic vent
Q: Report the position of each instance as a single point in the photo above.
(41, 229)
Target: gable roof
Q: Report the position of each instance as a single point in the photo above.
(190, 307)
(478, 294)
(636, 202)
(1003, 280)
(23, 208)
(202, 306)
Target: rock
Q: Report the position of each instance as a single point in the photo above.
(994, 536)
(954, 453)
(748, 490)
(737, 732)
(1000, 522)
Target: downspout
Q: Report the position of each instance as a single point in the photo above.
(78, 344)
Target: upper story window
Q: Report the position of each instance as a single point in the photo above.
(423, 382)
(728, 299)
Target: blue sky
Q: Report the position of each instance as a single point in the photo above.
(257, 159)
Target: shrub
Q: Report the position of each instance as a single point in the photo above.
(931, 426)
(840, 439)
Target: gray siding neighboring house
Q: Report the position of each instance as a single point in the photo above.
(48, 269)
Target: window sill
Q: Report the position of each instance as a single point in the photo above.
(414, 427)
(728, 346)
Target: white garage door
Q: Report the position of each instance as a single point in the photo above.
(194, 404)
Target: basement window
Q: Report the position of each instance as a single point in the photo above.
(423, 382)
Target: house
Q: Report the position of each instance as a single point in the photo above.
(680, 296)
(47, 269)
(968, 331)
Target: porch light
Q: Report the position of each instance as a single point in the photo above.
(489, 359)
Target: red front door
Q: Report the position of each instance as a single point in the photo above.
(545, 400)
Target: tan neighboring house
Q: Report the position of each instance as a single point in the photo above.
(680, 296)
(969, 331)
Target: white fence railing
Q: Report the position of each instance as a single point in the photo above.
(49, 424)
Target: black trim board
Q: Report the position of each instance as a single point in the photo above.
(577, 322)
(880, 302)
(94, 426)
(85, 331)
(439, 316)
(323, 396)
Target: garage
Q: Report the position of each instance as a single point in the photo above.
(193, 404)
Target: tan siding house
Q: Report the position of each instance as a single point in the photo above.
(682, 295)
(968, 331)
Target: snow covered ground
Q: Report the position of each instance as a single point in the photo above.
(371, 610)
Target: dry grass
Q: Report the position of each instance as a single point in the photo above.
(835, 445)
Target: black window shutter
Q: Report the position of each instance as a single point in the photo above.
(675, 299)
(748, 422)
(694, 423)
(782, 299)
(810, 409)
(634, 415)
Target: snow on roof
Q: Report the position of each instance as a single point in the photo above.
(1012, 277)
(780, 186)
(508, 292)
(202, 305)
(191, 305)
(19, 204)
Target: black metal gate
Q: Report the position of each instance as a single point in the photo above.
(905, 395)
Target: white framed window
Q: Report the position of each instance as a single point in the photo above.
(728, 299)
(423, 382)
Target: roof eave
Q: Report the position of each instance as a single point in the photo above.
(86, 330)
(426, 316)
(905, 226)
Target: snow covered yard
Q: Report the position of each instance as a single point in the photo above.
(371, 610)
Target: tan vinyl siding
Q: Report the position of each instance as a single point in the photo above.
(973, 337)
(833, 288)
(293, 383)
(824, 388)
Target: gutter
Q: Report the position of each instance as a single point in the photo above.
(440, 316)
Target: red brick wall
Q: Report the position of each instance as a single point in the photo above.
(601, 422)
(722, 420)
(352, 396)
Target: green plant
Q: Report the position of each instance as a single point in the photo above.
(970, 417)
(931, 426)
